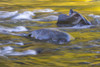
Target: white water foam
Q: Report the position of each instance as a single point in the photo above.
(94, 16)
(11, 42)
(6, 50)
(24, 53)
(48, 18)
(5, 14)
(43, 10)
(27, 15)
(16, 29)
(9, 51)
(19, 43)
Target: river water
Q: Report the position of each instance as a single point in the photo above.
(24, 16)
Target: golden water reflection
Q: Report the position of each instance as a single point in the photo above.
(65, 57)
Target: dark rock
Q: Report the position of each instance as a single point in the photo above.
(74, 18)
(20, 63)
(84, 62)
(39, 50)
(51, 36)
(76, 48)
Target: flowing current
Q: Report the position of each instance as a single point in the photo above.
(20, 17)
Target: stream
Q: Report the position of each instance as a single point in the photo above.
(25, 16)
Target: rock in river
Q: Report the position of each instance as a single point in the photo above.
(51, 36)
(74, 18)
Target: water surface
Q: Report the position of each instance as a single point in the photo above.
(24, 16)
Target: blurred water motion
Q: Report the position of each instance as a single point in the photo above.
(23, 16)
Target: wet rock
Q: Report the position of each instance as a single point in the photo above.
(74, 18)
(51, 36)
(39, 50)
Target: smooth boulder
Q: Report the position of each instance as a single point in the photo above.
(51, 36)
(74, 18)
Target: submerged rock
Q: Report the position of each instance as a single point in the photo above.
(51, 36)
(74, 18)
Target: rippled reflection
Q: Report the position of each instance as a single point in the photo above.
(23, 16)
